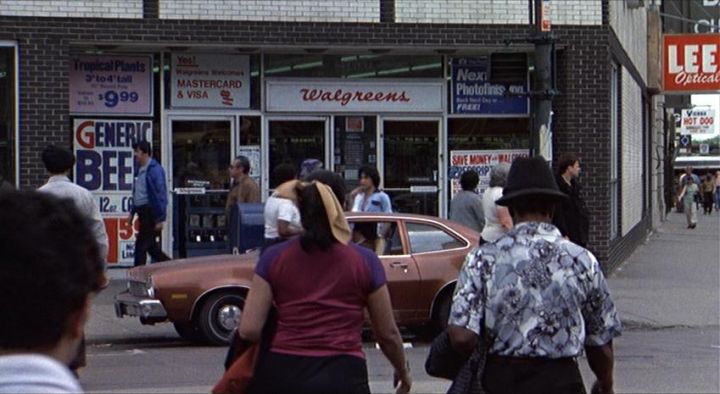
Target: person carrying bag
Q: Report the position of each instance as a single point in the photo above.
(541, 298)
(464, 369)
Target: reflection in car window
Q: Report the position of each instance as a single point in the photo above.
(427, 238)
(380, 237)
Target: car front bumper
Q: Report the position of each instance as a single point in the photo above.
(149, 310)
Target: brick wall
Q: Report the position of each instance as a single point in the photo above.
(73, 8)
(631, 157)
(563, 12)
(581, 122)
(273, 10)
(630, 26)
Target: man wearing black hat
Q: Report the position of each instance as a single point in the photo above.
(540, 299)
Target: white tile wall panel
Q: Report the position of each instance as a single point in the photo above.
(273, 10)
(630, 26)
(118, 9)
(631, 153)
(563, 12)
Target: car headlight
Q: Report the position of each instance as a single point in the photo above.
(149, 288)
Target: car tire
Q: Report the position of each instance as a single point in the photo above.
(188, 331)
(219, 316)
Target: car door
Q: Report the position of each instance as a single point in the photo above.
(438, 253)
(401, 271)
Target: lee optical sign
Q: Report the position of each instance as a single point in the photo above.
(690, 63)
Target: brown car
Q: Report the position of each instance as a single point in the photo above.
(203, 296)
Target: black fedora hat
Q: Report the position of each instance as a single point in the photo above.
(530, 177)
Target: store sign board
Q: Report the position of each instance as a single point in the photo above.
(105, 166)
(219, 81)
(472, 93)
(697, 121)
(342, 95)
(111, 85)
(480, 161)
(691, 63)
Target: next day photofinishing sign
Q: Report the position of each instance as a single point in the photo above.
(472, 93)
(105, 165)
(480, 161)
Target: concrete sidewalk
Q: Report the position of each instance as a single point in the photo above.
(673, 280)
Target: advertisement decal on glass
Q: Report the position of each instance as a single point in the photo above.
(472, 93)
(105, 166)
(111, 85)
(219, 81)
(480, 161)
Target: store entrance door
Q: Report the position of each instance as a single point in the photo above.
(201, 150)
(295, 140)
(410, 161)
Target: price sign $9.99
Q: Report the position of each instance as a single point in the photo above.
(111, 98)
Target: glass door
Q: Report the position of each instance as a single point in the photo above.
(293, 141)
(410, 161)
(201, 150)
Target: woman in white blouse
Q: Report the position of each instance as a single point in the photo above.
(497, 218)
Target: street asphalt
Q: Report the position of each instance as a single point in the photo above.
(667, 294)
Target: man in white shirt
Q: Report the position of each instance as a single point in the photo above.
(49, 270)
(58, 162)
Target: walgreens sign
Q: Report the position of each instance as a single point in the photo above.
(691, 63)
(343, 95)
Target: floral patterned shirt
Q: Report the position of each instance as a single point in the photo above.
(546, 296)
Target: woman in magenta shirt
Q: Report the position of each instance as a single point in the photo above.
(320, 285)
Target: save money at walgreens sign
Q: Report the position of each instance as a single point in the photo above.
(691, 63)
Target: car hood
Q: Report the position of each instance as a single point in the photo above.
(226, 265)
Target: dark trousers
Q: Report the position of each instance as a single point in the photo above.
(538, 377)
(146, 241)
(285, 373)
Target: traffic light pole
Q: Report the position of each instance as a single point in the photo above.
(543, 87)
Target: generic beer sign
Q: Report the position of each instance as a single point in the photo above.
(691, 63)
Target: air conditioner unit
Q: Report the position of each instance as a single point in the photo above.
(632, 4)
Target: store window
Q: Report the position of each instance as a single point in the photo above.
(488, 133)
(355, 146)
(353, 66)
(483, 136)
(8, 121)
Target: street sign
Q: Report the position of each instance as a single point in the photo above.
(685, 141)
(704, 149)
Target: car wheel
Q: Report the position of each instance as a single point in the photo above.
(188, 331)
(219, 315)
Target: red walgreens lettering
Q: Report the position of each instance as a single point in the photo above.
(345, 97)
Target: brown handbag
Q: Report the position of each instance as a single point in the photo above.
(238, 376)
(242, 358)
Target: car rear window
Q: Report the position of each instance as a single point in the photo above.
(429, 238)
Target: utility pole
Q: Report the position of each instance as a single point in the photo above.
(544, 90)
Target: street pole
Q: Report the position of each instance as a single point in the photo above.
(543, 92)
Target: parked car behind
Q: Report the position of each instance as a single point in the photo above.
(204, 296)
